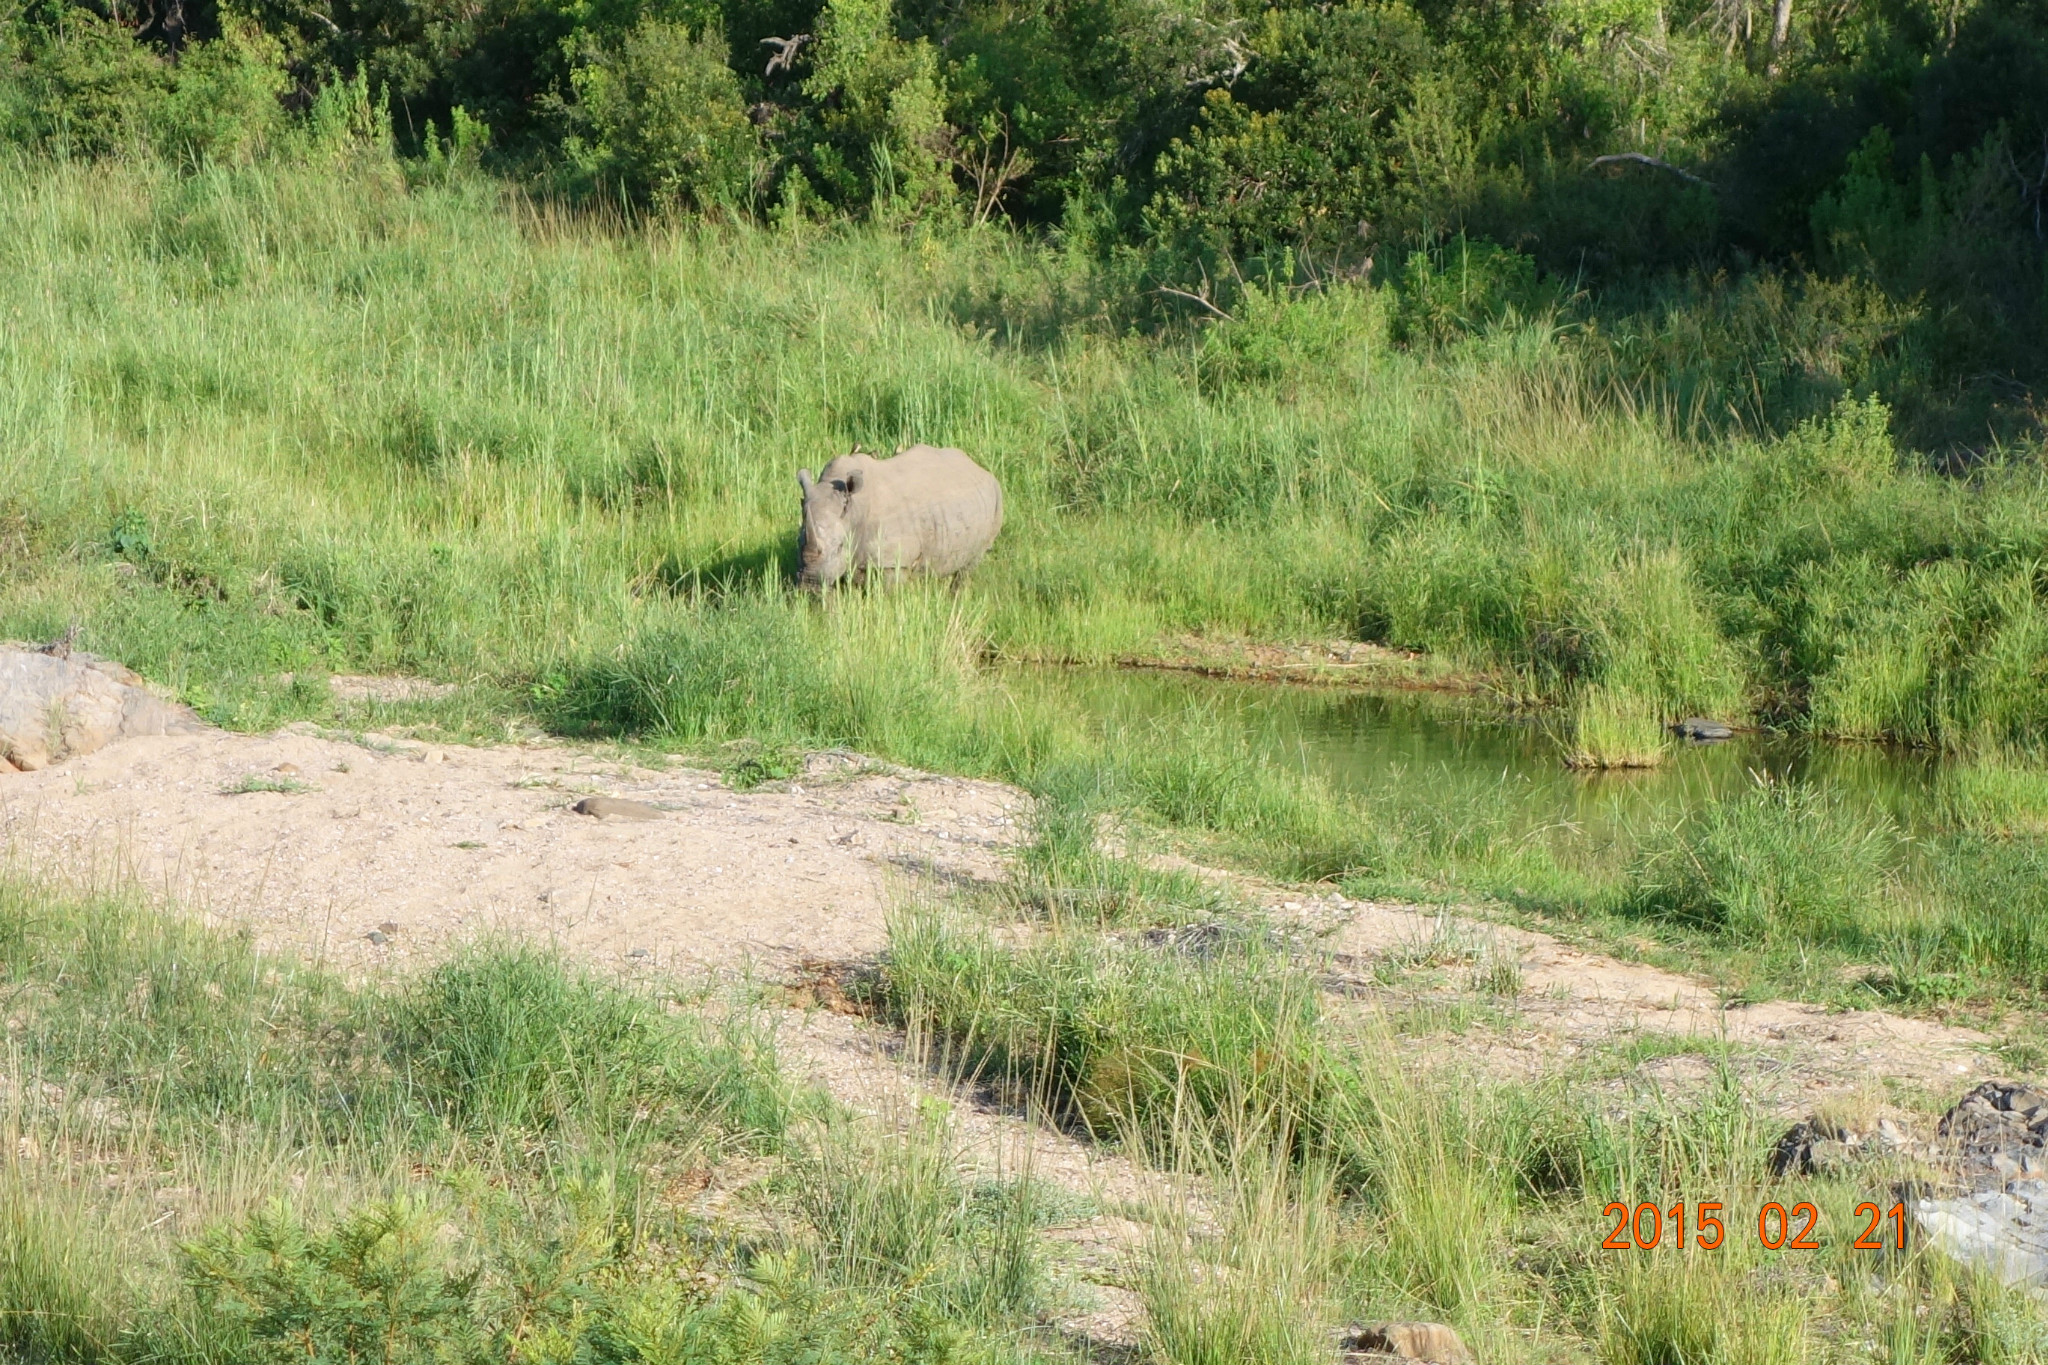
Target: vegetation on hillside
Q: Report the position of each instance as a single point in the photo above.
(1855, 188)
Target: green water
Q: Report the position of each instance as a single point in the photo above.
(1370, 743)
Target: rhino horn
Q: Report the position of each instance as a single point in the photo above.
(804, 480)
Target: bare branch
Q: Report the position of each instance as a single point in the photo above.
(1196, 298)
(785, 51)
(1643, 159)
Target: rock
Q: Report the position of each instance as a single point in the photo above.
(1816, 1146)
(2002, 1231)
(1997, 1149)
(1202, 941)
(637, 952)
(1419, 1341)
(388, 928)
(1998, 1130)
(1700, 730)
(54, 708)
(377, 937)
(615, 808)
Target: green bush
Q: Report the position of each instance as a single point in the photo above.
(664, 120)
(1461, 286)
(376, 1287)
(223, 104)
(881, 109)
(84, 87)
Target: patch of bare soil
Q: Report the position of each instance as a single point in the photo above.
(1524, 1001)
(1338, 662)
(379, 852)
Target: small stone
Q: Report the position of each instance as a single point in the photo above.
(615, 808)
(1827, 1157)
(287, 769)
(637, 952)
(377, 937)
(434, 756)
(388, 927)
(1431, 1342)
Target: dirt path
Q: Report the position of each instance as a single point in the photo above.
(389, 852)
(1525, 1002)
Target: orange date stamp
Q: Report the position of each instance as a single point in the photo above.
(1645, 1227)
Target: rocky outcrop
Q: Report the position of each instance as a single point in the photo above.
(57, 703)
(2000, 1132)
(1997, 1140)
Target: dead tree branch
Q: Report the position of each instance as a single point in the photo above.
(785, 51)
(1196, 298)
(1654, 163)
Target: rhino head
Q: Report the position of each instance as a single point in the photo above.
(826, 548)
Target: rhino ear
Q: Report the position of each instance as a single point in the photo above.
(853, 483)
(803, 481)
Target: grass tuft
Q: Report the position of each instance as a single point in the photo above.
(513, 1038)
(1781, 862)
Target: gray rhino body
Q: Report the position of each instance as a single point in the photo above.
(927, 510)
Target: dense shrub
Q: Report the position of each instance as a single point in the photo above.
(1749, 227)
(664, 118)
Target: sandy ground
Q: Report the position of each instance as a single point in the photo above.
(386, 853)
(427, 846)
(392, 851)
(1793, 1057)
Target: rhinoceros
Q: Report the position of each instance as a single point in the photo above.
(927, 510)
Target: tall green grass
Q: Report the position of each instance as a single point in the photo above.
(266, 420)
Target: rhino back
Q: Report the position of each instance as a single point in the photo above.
(927, 508)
